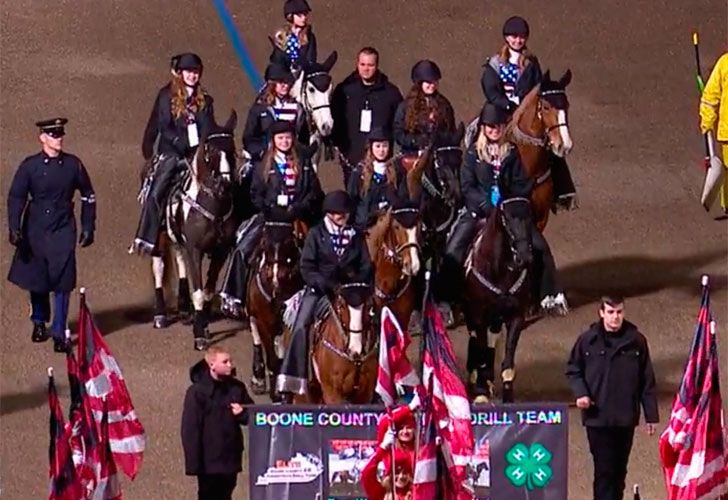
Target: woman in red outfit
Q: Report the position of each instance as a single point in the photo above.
(382, 490)
(404, 428)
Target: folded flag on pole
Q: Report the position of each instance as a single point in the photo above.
(693, 448)
(395, 370)
(102, 378)
(450, 408)
(64, 484)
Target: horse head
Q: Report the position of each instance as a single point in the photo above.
(514, 217)
(216, 159)
(312, 89)
(351, 308)
(395, 240)
(446, 157)
(279, 259)
(553, 111)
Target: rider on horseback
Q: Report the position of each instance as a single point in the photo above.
(377, 181)
(184, 115)
(284, 184)
(492, 171)
(334, 254)
(273, 103)
(425, 112)
(294, 45)
(507, 79)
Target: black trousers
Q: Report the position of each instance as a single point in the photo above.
(235, 283)
(166, 173)
(216, 486)
(610, 447)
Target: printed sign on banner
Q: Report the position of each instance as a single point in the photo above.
(318, 452)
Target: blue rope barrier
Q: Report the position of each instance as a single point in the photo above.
(241, 51)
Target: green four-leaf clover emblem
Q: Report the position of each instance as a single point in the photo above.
(529, 467)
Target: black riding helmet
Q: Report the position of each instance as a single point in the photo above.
(281, 127)
(278, 73)
(492, 115)
(515, 26)
(425, 71)
(337, 202)
(379, 134)
(188, 61)
(295, 7)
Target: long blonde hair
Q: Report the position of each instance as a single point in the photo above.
(281, 36)
(178, 91)
(524, 58)
(481, 145)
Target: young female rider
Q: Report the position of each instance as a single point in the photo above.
(184, 115)
(401, 470)
(274, 103)
(378, 181)
(425, 112)
(294, 45)
(283, 182)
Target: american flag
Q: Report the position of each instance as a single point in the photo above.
(63, 484)
(102, 379)
(450, 412)
(425, 483)
(693, 447)
(395, 369)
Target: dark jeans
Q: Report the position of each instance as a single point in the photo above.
(450, 279)
(610, 447)
(563, 183)
(544, 266)
(236, 280)
(165, 175)
(216, 486)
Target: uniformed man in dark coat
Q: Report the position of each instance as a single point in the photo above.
(43, 228)
(334, 254)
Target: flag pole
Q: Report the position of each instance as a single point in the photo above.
(701, 87)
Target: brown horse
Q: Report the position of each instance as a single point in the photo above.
(497, 291)
(344, 351)
(394, 246)
(538, 125)
(276, 278)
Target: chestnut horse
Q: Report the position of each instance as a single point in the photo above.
(538, 125)
(394, 246)
(497, 291)
(344, 351)
(276, 278)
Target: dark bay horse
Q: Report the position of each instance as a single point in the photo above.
(201, 219)
(394, 246)
(344, 351)
(497, 291)
(541, 124)
(277, 277)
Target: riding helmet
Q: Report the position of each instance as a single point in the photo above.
(295, 7)
(514, 26)
(492, 115)
(282, 127)
(337, 202)
(379, 134)
(425, 71)
(188, 61)
(278, 73)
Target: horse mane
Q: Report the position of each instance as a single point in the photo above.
(378, 231)
(513, 133)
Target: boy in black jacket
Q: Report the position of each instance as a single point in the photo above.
(214, 410)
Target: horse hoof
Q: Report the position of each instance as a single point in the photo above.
(258, 386)
(201, 344)
(481, 399)
(160, 321)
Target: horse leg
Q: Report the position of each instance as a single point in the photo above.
(184, 301)
(482, 347)
(508, 367)
(200, 321)
(257, 380)
(217, 259)
(160, 308)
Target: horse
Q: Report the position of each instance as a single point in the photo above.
(276, 279)
(312, 89)
(344, 350)
(497, 290)
(394, 246)
(541, 123)
(201, 221)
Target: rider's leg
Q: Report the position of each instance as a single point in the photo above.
(551, 294)
(293, 377)
(564, 189)
(452, 264)
(153, 210)
(236, 280)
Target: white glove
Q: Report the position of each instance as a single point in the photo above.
(388, 439)
(415, 403)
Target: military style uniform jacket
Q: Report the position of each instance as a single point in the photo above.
(260, 118)
(307, 54)
(380, 196)
(477, 179)
(323, 270)
(40, 205)
(307, 193)
(494, 90)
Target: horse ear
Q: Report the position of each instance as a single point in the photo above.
(330, 61)
(459, 133)
(566, 79)
(232, 122)
(547, 76)
(414, 176)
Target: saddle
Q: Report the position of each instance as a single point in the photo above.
(408, 161)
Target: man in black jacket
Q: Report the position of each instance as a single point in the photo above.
(365, 100)
(334, 254)
(214, 410)
(611, 375)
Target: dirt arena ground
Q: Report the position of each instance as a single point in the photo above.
(640, 229)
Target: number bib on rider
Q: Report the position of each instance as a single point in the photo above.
(193, 139)
(365, 121)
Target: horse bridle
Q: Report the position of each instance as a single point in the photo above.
(306, 105)
(545, 139)
(193, 203)
(504, 222)
(394, 255)
(269, 296)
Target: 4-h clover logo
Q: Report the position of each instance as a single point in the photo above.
(529, 467)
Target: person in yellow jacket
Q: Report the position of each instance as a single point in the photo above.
(714, 107)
